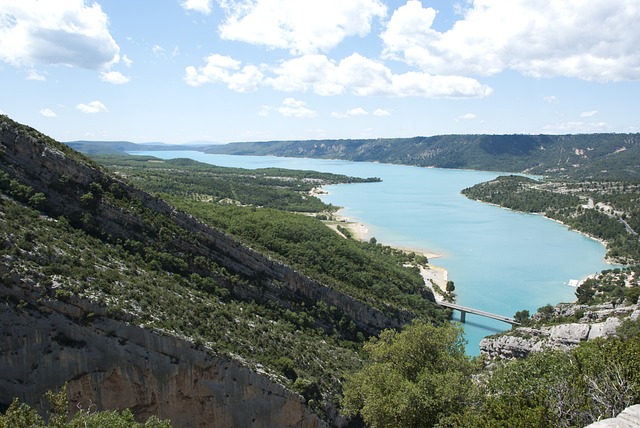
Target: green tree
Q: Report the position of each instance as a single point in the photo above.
(412, 378)
(522, 317)
(450, 286)
(21, 415)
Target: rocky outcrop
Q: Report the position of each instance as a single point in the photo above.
(596, 322)
(110, 364)
(628, 418)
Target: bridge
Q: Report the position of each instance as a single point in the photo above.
(464, 310)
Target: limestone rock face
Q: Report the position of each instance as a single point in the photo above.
(110, 364)
(628, 418)
(569, 334)
(597, 322)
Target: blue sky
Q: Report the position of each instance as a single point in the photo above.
(180, 71)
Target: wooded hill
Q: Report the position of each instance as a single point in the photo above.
(603, 156)
(77, 237)
(579, 156)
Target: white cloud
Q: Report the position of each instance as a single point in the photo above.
(34, 75)
(578, 127)
(309, 72)
(358, 111)
(363, 76)
(302, 27)
(381, 112)
(295, 108)
(202, 6)
(317, 73)
(62, 32)
(429, 86)
(589, 113)
(551, 99)
(114, 77)
(467, 116)
(158, 50)
(48, 112)
(594, 40)
(92, 107)
(127, 61)
(265, 111)
(226, 70)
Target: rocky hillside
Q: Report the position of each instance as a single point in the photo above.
(586, 323)
(113, 289)
(78, 189)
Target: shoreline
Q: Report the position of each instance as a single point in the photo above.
(604, 243)
(434, 277)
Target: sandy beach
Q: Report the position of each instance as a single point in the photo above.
(434, 277)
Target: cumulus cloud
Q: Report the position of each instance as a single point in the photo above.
(355, 74)
(593, 40)
(48, 112)
(551, 99)
(309, 72)
(296, 108)
(202, 6)
(34, 75)
(578, 127)
(127, 61)
(589, 113)
(381, 112)
(92, 107)
(62, 32)
(358, 111)
(226, 70)
(114, 77)
(363, 76)
(302, 27)
(467, 116)
(265, 111)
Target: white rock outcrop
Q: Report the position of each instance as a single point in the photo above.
(628, 418)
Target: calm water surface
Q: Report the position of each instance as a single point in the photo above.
(500, 261)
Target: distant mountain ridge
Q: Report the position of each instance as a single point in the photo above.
(112, 147)
(614, 156)
(580, 156)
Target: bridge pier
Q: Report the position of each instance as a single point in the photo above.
(463, 316)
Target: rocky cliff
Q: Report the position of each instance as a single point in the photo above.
(595, 322)
(111, 364)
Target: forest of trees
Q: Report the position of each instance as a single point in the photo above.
(421, 377)
(606, 210)
(599, 156)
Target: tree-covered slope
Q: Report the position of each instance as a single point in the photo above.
(606, 210)
(585, 155)
(73, 230)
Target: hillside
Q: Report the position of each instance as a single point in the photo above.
(123, 292)
(615, 156)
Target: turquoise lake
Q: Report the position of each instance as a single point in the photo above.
(500, 261)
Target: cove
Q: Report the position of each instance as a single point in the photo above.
(500, 261)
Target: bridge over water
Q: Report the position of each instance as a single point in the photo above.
(464, 310)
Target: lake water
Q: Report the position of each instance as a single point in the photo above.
(500, 261)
